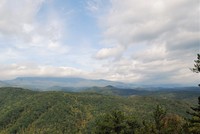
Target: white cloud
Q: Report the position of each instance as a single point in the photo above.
(93, 5)
(19, 20)
(27, 36)
(96, 6)
(151, 41)
(132, 21)
(28, 28)
(13, 70)
(168, 31)
(16, 14)
(109, 52)
(152, 53)
(148, 72)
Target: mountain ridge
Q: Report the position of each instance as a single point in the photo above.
(46, 83)
(78, 83)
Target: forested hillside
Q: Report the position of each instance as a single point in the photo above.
(28, 112)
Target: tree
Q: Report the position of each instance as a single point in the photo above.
(158, 115)
(131, 125)
(163, 123)
(196, 68)
(194, 122)
(173, 124)
(116, 122)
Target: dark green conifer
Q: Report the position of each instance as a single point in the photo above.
(194, 122)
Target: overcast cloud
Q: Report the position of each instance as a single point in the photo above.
(151, 42)
(168, 32)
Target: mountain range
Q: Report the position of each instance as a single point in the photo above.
(48, 83)
(79, 84)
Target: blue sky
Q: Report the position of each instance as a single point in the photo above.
(131, 40)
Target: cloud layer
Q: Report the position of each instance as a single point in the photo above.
(22, 34)
(167, 31)
(142, 41)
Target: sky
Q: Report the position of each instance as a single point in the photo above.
(136, 41)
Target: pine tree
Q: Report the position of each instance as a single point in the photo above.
(158, 115)
(116, 122)
(111, 123)
(196, 68)
(194, 122)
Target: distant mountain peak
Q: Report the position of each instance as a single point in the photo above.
(49, 82)
(109, 86)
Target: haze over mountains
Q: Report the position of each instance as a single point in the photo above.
(56, 82)
(75, 83)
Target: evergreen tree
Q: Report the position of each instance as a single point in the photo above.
(194, 122)
(116, 122)
(158, 115)
(196, 68)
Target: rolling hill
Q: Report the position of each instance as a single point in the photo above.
(27, 111)
(4, 84)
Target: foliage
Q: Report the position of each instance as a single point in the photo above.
(194, 122)
(164, 123)
(173, 124)
(116, 122)
(28, 112)
(196, 68)
(158, 116)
